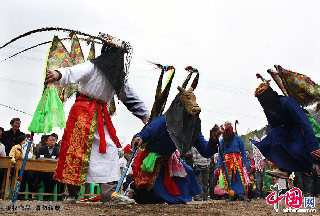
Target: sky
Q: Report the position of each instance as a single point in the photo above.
(227, 41)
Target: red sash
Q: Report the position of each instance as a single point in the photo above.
(78, 136)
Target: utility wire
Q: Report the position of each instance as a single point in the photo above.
(15, 109)
(19, 82)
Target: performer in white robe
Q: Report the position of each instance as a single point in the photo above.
(84, 156)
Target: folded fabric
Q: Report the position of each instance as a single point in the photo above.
(149, 162)
(176, 168)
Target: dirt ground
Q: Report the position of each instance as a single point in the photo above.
(254, 207)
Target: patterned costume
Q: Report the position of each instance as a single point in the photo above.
(235, 157)
(169, 187)
(159, 173)
(84, 155)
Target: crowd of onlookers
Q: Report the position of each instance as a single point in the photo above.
(13, 143)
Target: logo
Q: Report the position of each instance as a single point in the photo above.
(293, 200)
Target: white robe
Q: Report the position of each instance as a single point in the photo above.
(103, 168)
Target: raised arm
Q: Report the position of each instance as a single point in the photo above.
(204, 147)
(70, 75)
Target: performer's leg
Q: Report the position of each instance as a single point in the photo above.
(259, 183)
(205, 179)
(106, 190)
(212, 183)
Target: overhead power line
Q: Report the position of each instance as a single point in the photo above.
(19, 82)
(9, 107)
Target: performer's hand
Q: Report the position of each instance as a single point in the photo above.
(218, 170)
(136, 141)
(52, 76)
(316, 154)
(215, 132)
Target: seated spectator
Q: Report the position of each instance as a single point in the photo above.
(49, 151)
(16, 154)
(57, 144)
(43, 142)
(25, 146)
(9, 137)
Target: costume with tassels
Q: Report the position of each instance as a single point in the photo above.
(159, 173)
(235, 157)
(291, 139)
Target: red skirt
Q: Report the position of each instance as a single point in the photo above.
(77, 139)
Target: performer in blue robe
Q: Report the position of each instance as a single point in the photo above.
(235, 157)
(291, 137)
(178, 129)
(157, 135)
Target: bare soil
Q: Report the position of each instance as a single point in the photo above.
(254, 207)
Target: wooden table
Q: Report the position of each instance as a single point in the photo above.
(40, 165)
(5, 163)
(34, 165)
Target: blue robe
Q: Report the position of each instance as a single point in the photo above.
(290, 139)
(236, 146)
(159, 141)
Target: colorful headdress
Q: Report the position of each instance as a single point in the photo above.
(194, 83)
(262, 87)
(296, 85)
(161, 96)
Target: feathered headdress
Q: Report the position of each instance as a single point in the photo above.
(161, 96)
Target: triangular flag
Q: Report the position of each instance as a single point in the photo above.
(76, 51)
(92, 53)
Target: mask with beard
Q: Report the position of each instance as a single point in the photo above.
(228, 135)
